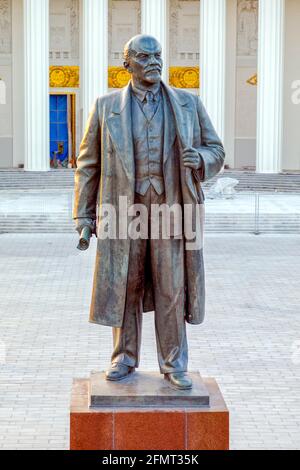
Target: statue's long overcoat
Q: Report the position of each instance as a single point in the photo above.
(106, 170)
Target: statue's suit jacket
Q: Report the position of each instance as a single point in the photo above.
(106, 170)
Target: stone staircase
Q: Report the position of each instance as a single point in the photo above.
(62, 179)
(35, 223)
(39, 202)
(215, 223)
(261, 182)
(240, 223)
(36, 211)
(36, 180)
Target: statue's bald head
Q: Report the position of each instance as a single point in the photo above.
(141, 42)
(142, 58)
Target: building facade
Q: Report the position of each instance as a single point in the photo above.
(241, 56)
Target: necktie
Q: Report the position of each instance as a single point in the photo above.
(149, 106)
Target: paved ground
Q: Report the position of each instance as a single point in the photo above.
(250, 341)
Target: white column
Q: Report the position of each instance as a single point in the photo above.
(36, 39)
(270, 86)
(154, 22)
(230, 82)
(212, 60)
(94, 70)
(18, 82)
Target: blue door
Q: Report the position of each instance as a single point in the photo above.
(59, 141)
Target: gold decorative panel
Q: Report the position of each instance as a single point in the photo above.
(118, 77)
(180, 77)
(184, 77)
(253, 80)
(64, 76)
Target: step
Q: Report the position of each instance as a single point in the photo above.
(58, 179)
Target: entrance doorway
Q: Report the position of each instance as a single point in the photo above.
(62, 131)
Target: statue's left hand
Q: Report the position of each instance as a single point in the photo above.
(191, 158)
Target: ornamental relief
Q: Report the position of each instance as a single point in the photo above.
(124, 22)
(74, 18)
(118, 77)
(180, 77)
(184, 77)
(247, 28)
(64, 76)
(5, 27)
(64, 29)
(184, 31)
(253, 80)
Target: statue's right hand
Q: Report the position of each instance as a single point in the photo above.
(85, 238)
(85, 228)
(84, 222)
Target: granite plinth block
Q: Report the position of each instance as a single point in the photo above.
(145, 390)
(148, 428)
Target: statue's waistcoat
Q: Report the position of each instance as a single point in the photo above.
(148, 140)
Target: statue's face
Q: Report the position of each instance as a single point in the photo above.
(145, 63)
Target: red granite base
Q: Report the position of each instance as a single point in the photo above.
(148, 429)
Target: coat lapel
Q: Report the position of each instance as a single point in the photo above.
(169, 126)
(120, 128)
(179, 104)
(183, 117)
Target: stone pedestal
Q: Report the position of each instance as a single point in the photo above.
(144, 413)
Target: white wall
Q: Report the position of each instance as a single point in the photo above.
(18, 83)
(291, 145)
(6, 129)
(6, 144)
(246, 94)
(246, 115)
(230, 90)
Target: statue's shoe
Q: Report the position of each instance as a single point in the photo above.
(179, 380)
(118, 371)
